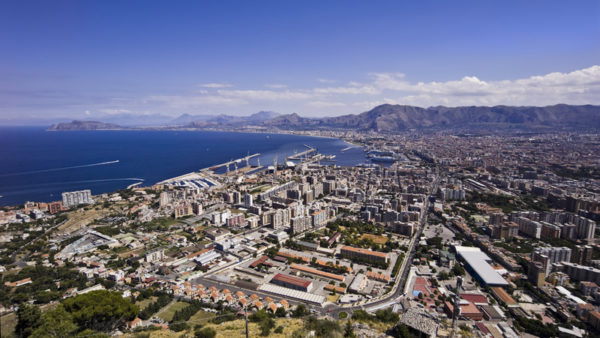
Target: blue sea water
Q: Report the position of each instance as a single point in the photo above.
(38, 165)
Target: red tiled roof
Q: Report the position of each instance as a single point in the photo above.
(292, 280)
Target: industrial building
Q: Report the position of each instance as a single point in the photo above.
(292, 282)
(479, 264)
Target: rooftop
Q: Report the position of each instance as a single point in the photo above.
(480, 263)
(292, 280)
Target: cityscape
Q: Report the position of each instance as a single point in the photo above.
(459, 208)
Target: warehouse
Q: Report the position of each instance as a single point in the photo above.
(295, 294)
(478, 264)
(292, 282)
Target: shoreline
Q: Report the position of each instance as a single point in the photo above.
(146, 183)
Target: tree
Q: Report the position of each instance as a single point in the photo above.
(266, 326)
(300, 311)
(349, 331)
(458, 270)
(280, 312)
(206, 332)
(28, 319)
(100, 310)
(56, 323)
(400, 331)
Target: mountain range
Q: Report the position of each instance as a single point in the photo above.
(396, 118)
(393, 118)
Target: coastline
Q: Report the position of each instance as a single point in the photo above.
(327, 143)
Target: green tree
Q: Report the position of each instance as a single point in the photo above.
(349, 331)
(100, 310)
(280, 312)
(300, 311)
(56, 323)
(400, 331)
(266, 326)
(28, 319)
(206, 332)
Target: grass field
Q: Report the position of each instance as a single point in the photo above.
(376, 239)
(78, 220)
(142, 304)
(168, 313)
(333, 298)
(201, 317)
(8, 322)
(236, 328)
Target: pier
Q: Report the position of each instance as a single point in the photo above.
(305, 153)
(227, 164)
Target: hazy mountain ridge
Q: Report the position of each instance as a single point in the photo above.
(391, 118)
(84, 125)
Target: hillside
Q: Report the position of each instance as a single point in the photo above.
(84, 125)
(391, 118)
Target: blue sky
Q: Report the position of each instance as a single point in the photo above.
(85, 59)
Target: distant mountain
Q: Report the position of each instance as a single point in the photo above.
(228, 120)
(138, 120)
(390, 118)
(394, 118)
(187, 119)
(85, 125)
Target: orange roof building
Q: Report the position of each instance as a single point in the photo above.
(364, 254)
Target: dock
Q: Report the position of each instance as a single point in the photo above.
(227, 164)
(305, 153)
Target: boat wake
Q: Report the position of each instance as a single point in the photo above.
(60, 169)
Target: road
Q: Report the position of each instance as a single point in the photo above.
(21, 261)
(333, 310)
(393, 297)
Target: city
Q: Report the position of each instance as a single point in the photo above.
(504, 232)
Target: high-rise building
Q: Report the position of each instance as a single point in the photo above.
(582, 254)
(248, 200)
(74, 198)
(536, 273)
(551, 255)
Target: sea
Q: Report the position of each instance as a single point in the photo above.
(39, 165)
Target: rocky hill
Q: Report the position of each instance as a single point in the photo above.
(85, 125)
(391, 118)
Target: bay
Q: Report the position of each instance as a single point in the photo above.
(38, 165)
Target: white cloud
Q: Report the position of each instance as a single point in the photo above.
(369, 90)
(323, 80)
(326, 104)
(216, 85)
(265, 95)
(113, 111)
(576, 87)
(276, 85)
(191, 101)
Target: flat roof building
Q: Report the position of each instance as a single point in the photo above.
(479, 264)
